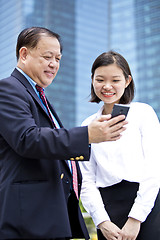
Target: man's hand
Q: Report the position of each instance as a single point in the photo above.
(106, 129)
(109, 230)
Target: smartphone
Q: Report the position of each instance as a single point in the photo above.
(119, 109)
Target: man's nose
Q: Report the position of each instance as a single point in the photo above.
(53, 63)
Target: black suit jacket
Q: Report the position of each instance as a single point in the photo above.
(35, 197)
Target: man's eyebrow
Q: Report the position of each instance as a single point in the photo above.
(52, 53)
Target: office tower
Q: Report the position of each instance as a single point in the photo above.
(88, 28)
(147, 24)
(10, 25)
(82, 26)
(135, 32)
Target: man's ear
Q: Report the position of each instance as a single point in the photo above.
(23, 52)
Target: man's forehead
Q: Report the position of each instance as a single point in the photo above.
(49, 45)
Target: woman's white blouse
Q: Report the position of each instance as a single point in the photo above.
(134, 157)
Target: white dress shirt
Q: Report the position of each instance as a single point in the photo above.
(134, 157)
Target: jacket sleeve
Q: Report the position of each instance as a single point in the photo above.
(21, 128)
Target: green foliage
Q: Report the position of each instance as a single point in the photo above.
(88, 220)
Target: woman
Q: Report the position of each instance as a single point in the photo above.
(120, 188)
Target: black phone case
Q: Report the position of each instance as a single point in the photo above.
(119, 110)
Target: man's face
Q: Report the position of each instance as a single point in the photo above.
(42, 63)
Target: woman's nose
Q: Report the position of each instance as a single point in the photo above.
(107, 86)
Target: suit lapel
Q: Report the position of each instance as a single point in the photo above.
(55, 114)
(28, 87)
(32, 92)
(19, 76)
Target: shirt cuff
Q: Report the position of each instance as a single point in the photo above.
(100, 216)
(139, 212)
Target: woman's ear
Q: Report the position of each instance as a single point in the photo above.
(128, 80)
(92, 78)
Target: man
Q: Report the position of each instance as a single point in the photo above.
(38, 199)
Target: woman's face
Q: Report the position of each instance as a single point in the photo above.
(109, 83)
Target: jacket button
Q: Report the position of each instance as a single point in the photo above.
(77, 158)
(81, 158)
(72, 159)
(62, 175)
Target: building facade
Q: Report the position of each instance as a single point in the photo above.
(135, 33)
(88, 28)
(147, 23)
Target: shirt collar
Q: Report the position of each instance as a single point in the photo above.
(30, 80)
(99, 113)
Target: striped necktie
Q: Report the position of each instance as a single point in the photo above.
(75, 179)
(44, 100)
(73, 164)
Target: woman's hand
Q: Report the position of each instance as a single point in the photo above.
(130, 230)
(109, 230)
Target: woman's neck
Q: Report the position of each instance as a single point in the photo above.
(107, 109)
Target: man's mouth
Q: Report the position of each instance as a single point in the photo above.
(49, 73)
